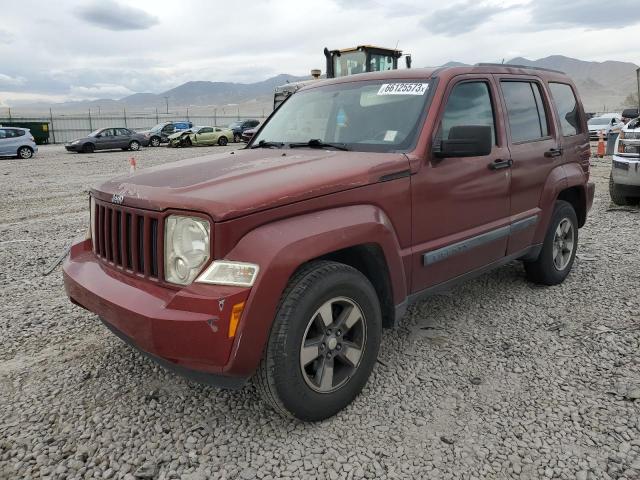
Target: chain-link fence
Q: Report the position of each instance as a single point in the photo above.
(66, 127)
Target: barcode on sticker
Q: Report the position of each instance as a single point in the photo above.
(403, 88)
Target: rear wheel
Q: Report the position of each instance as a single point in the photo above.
(236, 137)
(25, 153)
(617, 195)
(323, 344)
(222, 141)
(134, 145)
(559, 248)
(154, 142)
(88, 148)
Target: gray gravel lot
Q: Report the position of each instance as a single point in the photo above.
(496, 379)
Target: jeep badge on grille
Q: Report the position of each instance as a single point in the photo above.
(117, 199)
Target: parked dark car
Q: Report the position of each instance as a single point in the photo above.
(108, 139)
(247, 135)
(160, 133)
(283, 261)
(240, 126)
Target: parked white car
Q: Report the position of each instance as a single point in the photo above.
(606, 124)
(17, 142)
(624, 183)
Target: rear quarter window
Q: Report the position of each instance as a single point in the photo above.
(567, 108)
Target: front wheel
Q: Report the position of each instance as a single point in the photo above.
(236, 137)
(323, 344)
(25, 153)
(559, 248)
(154, 142)
(134, 145)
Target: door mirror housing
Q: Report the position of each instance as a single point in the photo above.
(466, 141)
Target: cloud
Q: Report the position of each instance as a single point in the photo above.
(6, 37)
(9, 81)
(113, 16)
(460, 18)
(587, 14)
(99, 90)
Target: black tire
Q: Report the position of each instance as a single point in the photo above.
(88, 148)
(187, 142)
(280, 379)
(616, 194)
(25, 153)
(134, 145)
(155, 141)
(222, 141)
(544, 270)
(236, 137)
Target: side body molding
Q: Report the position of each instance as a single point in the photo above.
(282, 246)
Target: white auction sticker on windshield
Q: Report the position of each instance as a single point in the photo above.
(403, 88)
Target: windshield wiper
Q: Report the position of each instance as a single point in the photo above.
(265, 144)
(316, 143)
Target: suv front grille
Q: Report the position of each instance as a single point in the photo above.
(129, 238)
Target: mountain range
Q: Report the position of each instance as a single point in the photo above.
(603, 86)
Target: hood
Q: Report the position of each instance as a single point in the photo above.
(233, 184)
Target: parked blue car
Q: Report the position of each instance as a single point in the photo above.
(17, 142)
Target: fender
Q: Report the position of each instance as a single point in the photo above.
(279, 248)
(560, 178)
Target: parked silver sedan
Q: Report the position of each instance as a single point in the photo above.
(109, 139)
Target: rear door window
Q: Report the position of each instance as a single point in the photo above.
(469, 103)
(525, 110)
(567, 108)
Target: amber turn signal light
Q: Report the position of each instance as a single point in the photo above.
(236, 313)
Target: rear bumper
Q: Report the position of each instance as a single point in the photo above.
(185, 330)
(626, 170)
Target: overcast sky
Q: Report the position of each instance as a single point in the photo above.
(87, 49)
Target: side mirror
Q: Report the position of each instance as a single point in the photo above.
(466, 141)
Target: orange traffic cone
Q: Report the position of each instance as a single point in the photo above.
(600, 144)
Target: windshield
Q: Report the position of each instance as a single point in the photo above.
(349, 63)
(366, 116)
(599, 121)
(95, 132)
(235, 124)
(158, 127)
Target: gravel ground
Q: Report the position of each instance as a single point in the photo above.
(496, 379)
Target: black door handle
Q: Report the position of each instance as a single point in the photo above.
(553, 152)
(499, 163)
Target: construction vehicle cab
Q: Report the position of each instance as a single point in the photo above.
(361, 59)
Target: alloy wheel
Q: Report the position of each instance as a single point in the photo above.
(563, 244)
(333, 345)
(25, 153)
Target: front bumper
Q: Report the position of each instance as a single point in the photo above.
(626, 170)
(72, 148)
(185, 330)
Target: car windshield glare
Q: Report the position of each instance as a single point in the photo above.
(377, 116)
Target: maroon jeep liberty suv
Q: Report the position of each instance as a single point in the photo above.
(283, 261)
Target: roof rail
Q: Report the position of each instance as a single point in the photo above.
(518, 66)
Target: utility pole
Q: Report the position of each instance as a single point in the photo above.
(166, 99)
(638, 80)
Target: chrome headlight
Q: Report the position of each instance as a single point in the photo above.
(75, 142)
(186, 248)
